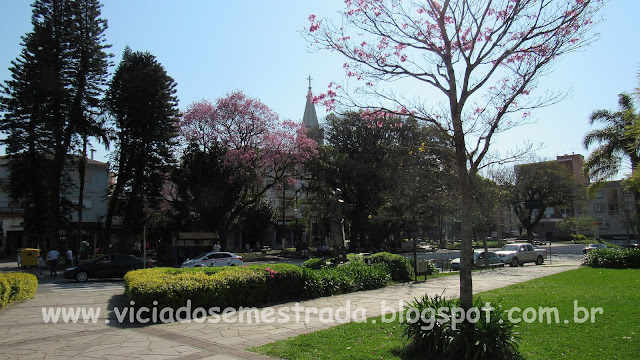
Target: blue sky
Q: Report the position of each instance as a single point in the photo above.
(214, 47)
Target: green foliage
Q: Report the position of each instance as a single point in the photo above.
(16, 286)
(5, 289)
(612, 258)
(548, 183)
(50, 105)
(355, 257)
(248, 286)
(315, 263)
(618, 138)
(207, 190)
(394, 176)
(350, 277)
(577, 224)
(399, 266)
(578, 238)
(142, 104)
(491, 337)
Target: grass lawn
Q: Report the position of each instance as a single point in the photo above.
(615, 334)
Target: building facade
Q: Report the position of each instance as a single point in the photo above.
(96, 189)
(612, 210)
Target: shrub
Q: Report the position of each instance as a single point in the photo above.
(5, 290)
(350, 277)
(399, 266)
(355, 257)
(16, 286)
(612, 258)
(578, 238)
(282, 281)
(490, 337)
(214, 287)
(315, 263)
(248, 286)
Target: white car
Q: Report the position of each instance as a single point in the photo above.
(519, 253)
(214, 258)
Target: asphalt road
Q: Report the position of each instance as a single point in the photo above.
(556, 249)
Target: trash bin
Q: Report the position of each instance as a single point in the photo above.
(30, 257)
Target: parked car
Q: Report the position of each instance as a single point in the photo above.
(632, 247)
(479, 260)
(593, 247)
(519, 253)
(106, 266)
(214, 258)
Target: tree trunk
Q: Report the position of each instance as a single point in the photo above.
(82, 165)
(530, 235)
(466, 249)
(466, 212)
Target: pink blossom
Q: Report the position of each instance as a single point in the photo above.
(255, 140)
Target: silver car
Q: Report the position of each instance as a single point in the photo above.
(214, 258)
(479, 260)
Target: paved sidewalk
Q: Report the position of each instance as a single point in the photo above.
(24, 335)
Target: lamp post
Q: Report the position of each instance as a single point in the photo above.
(283, 216)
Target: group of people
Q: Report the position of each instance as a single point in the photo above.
(53, 259)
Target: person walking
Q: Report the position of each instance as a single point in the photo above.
(217, 246)
(41, 265)
(136, 248)
(53, 256)
(69, 258)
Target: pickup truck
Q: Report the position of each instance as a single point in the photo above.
(519, 253)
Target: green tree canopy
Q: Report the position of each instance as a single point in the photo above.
(143, 106)
(533, 188)
(50, 104)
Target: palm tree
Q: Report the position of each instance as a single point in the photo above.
(616, 140)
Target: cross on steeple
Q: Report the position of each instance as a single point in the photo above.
(309, 78)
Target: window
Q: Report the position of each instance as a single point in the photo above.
(599, 208)
(599, 195)
(105, 260)
(549, 212)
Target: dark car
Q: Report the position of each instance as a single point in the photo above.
(632, 247)
(106, 266)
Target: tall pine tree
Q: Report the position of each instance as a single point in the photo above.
(49, 106)
(142, 103)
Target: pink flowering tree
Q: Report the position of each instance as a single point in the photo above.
(258, 149)
(477, 61)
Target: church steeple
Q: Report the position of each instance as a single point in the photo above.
(310, 119)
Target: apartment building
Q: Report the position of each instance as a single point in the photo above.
(96, 188)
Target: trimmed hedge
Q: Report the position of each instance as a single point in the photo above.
(353, 276)
(613, 258)
(315, 263)
(247, 286)
(17, 286)
(399, 266)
